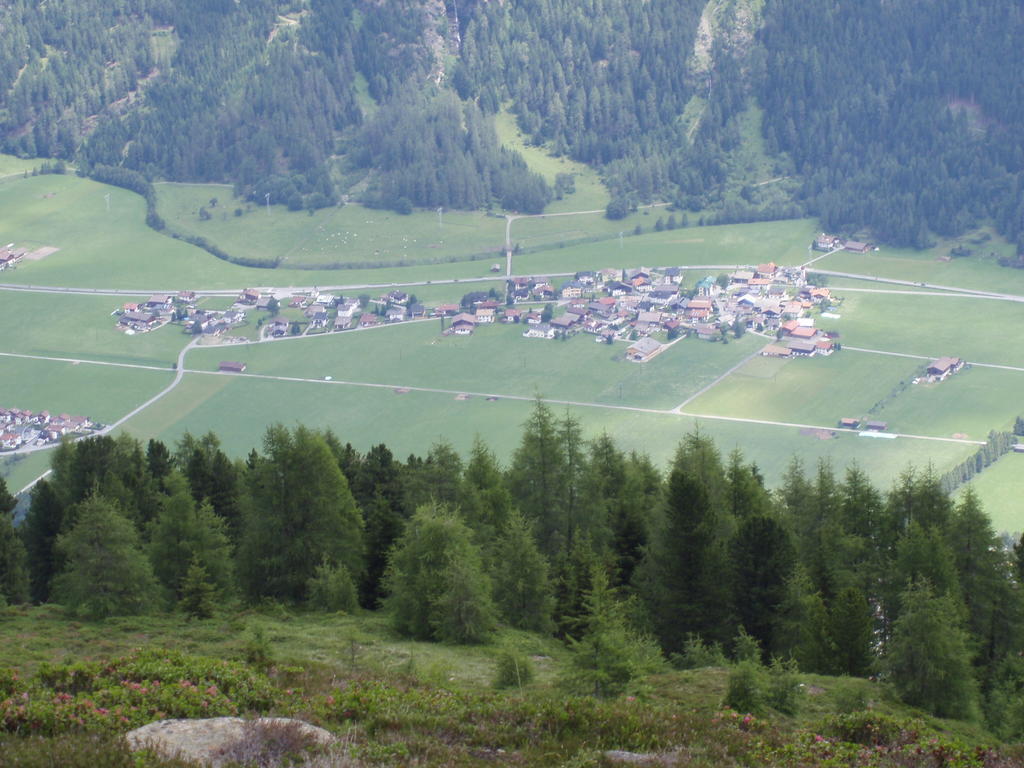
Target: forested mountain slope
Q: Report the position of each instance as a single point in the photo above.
(900, 118)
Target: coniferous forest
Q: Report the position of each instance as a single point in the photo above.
(900, 118)
(626, 562)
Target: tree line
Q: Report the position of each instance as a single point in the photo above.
(575, 538)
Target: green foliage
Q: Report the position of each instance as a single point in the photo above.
(522, 590)
(513, 670)
(608, 658)
(197, 593)
(302, 511)
(106, 572)
(130, 691)
(929, 659)
(785, 692)
(332, 589)
(438, 588)
(745, 691)
(697, 654)
(13, 565)
(257, 648)
(746, 648)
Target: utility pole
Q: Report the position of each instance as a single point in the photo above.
(440, 217)
(106, 197)
(620, 240)
(267, 196)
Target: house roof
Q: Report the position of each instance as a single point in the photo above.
(800, 345)
(943, 364)
(645, 346)
(803, 332)
(464, 317)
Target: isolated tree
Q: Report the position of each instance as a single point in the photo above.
(107, 573)
(522, 589)
(437, 584)
(13, 568)
(928, 659)
(608, 656)
(197, 592)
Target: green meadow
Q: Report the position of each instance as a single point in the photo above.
(81, 326)
(18, 471)
(818, 390)
(101, 392)
(590, 194)
(980, 271)
(932, 326)
(115, 249)
(240, 408)
(1001, 488)
(495, 360)
(784, 242)
(345, 235)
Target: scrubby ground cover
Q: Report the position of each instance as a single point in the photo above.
(431, 708)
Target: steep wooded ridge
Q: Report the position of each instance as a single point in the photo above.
(899, 117)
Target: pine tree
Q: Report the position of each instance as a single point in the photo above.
(608, 656)
(537, 478)
(684, 579)
(850, 631)
(106, 573)
(762, 559)
(520, 575)
(197, 592)
(928, 658)
(13, 568)
(435, 579)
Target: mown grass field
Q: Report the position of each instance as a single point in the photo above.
(240, 408)
(102, 393)
(81, 326)
(980, 271)
(18, 471)
(817, 390)
(495, 360)
(350, 234)
(932, 326)
(784, 242)
(115, 249)
(1001, 488)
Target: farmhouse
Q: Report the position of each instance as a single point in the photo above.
(944, 367)
(463, 324)
(563, 323)
(484, 315)
(876, 426)
(572, 290)
(848, 423)
(231, 366)
(395, 314)
(368, 320)
(855, 246)
(138, 321)
(825, 242)
(774, 350)
(539, 331)
(802, 347)
(643, 350)
(249, 296)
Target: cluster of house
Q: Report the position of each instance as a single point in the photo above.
(9, 256)
(157, 310)
(329, 312)
(826, 242)
(637, 304)
(20, 428)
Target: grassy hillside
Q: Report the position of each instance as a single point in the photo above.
(399, 702)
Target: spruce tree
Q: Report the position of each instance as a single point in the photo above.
(763, 559)
(850, 631)
(197, 592)
(519, 572)
(107, 573)
(13, 568)
(928, 659)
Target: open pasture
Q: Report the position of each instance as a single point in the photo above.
(932, 326)
(81, 326)
(348, 235)
(817, 390)
(1001, 488)
(495, 360)
(784, 242)
(980, 271)
(12, 166)
(102, 393)
(20, 470)
(972, 402)
(115, 249)
(239, 409)
(590, 193)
